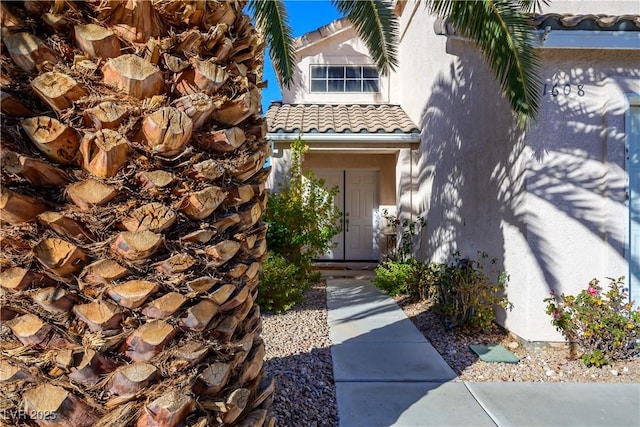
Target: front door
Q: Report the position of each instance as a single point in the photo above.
(358, 201)
(634, 202)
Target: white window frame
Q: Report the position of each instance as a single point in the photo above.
(343, 79)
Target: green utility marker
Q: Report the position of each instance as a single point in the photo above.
(494, 353)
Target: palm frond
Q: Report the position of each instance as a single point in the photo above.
(505, 37)
(273, 21)
(533, 6)
(377, 26)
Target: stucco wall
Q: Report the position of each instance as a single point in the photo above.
(577, 212)
(343, 48)
(385, 163)
(280, 165)
(549, 206)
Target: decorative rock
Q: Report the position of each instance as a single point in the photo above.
(288, 338)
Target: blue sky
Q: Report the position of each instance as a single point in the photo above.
(304, 16)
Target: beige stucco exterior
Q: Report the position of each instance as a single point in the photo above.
(550, 203)
(342, 48)
(385, 163)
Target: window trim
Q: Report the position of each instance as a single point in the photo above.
(344, 79)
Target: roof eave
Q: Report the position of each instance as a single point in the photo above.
(588, 39)
(566, 38)
(318, 35)
(580, 39)
(349, 141)
(302, 47)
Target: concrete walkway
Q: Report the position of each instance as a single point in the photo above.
(388, 374)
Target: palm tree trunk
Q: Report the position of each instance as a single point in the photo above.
(132, 193)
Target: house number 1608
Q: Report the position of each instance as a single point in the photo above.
(559, 89)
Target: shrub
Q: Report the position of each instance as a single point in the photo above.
(424, 280)
(466, 295)
(302, 222)
(282, 284)
(401, 273)
(301, 215)
(394, 277)
(463, 293)
(409, 277)
(604, 325)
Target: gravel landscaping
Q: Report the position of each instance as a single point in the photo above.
(298, 357)
(545, 364)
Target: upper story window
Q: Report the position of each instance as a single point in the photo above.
(344, 78)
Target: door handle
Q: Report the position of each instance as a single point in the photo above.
(346, 221)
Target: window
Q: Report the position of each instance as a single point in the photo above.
(344, 78)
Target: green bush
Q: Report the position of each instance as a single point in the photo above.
(463, 293)
(425, 280)
(407, 277)
(401, 273)
(301, 215)
(604, 325)
(282, 284)
(302, 221)
(467, 295)
(393, 277)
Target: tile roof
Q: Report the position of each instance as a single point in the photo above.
(587, 22)
(566, 21)
(317, 118)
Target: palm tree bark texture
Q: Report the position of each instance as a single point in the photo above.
(132, 193)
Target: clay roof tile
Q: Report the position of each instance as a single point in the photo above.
(345, 118)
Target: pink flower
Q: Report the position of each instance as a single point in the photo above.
(592, 291)
(556, 314)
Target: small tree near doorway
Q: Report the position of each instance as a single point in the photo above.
(301, 215)
(302, 222)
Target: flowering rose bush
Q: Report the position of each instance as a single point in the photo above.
(604, 325)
